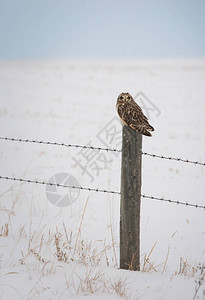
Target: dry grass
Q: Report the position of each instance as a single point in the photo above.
(48, 248)
(200, 280)
(91, 283)
(81, 222)
(111, 225)
(147, 265)
(119, 287)
(188, 270)
(94, 281)
(4, 230)
(61, 255)
(38, 257)
(47, 251)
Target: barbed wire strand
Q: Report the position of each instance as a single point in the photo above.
(100, 149)
(174, 158)
(59, 185)
(162, 199)
(58, 144)
(173, 201)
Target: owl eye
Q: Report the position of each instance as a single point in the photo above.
(128, 97)
(121, 97)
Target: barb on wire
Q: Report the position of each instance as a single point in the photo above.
(98, 148)
(98, 190)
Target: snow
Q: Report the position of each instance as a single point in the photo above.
(73, 102)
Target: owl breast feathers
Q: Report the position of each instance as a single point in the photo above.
(132, 115)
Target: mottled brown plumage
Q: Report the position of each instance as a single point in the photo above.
(132, 115)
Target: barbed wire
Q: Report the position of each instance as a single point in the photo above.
(57, 144)
(174, 158)
(162, 199)
(99, 148)
(59, 185)
(173, 201)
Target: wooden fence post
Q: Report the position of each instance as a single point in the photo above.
(130, 199)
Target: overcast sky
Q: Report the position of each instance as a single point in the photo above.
(36, 29)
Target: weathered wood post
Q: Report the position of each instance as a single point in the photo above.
(130, 199)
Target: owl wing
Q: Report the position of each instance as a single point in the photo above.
(133, 116)
(138, 108)
(137, 117)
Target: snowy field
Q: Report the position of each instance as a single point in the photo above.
(52, 252)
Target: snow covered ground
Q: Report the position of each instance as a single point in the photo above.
(51, 252)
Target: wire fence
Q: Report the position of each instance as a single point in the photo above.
(99, 148)
(162, 199)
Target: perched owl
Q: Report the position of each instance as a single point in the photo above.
(132, 115)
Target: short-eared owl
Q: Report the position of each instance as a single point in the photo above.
(132, 115)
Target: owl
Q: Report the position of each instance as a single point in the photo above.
(132, 115)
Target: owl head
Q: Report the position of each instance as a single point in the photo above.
(124, 97)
